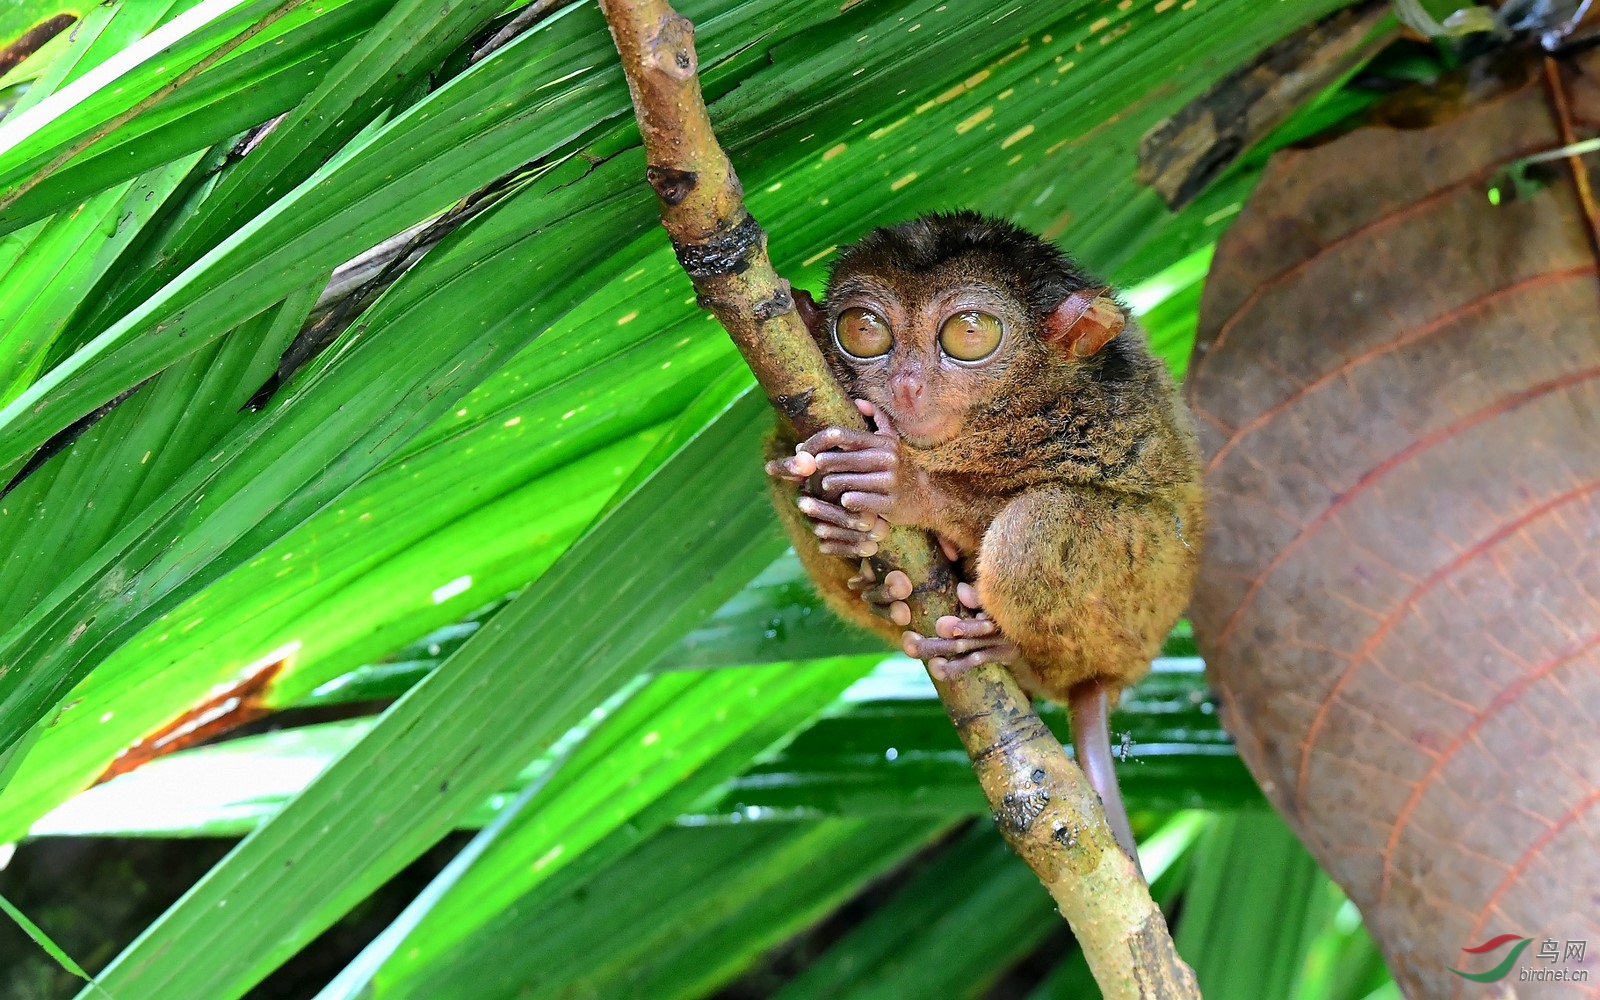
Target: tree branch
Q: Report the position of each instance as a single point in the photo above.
(1041, 802)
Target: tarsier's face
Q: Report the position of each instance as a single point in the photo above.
(925, 357)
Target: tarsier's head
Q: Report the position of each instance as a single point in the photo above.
(931, 318)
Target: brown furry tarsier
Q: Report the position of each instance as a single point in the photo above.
(1039, 440)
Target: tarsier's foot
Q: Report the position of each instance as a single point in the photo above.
(847, 481)
(962, 643)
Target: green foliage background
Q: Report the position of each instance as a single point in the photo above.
(515, 507)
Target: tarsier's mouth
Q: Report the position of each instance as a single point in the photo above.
(928, 429)
(924, 435)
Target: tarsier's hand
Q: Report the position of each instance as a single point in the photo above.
(962, 643)
(848, 481)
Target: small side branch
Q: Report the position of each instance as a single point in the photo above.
(1559, 107)
(1041, 802)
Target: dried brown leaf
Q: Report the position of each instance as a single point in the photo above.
(1398, 387)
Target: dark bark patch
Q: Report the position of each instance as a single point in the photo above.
(724, 254)
(671, 185)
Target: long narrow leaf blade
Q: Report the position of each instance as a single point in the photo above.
(678, 547)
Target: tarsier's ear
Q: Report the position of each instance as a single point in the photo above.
(812, 316)
(1084, 322)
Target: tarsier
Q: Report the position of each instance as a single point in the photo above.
(1017, 418)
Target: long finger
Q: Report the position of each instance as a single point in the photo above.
(879, 418)
(868, 504)
(869, 482)
(827, 513)
(840, 437)
(795, 469)
(834, 533)
(866, 460)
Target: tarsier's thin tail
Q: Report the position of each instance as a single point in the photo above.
(1088, 709)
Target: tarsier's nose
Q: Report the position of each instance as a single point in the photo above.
(907, 390)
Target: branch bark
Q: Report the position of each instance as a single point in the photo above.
(1041, 802)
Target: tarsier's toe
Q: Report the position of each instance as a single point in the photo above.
(945, 668)
(956, 627)
(960, 644)
(949, 548)
(924, 647)
(864, 578)
(896, 586)
(888, 599)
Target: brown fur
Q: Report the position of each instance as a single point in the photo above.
(1071, 486)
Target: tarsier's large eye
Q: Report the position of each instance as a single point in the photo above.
(970, 336)
(862, 333)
